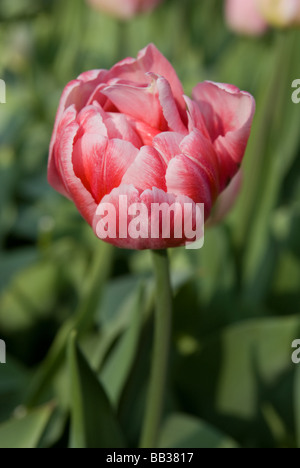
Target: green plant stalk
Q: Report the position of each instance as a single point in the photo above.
(82, 320)
(161, 347)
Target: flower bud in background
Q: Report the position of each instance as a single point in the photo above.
(253, 17)
(124, 9)
(280, 13)
(244, 17)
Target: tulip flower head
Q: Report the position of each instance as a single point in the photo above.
(129, 137)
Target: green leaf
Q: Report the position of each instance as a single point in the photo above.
(241, 369)
(94, 424)
(119, 364)
(13, 384)
(184, 431)
(26, 431)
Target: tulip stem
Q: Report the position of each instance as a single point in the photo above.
(160, 358)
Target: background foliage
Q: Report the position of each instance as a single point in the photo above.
(231, 382)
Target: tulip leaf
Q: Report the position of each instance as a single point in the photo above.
(116, 370)
(93, 423)
(26, 431)
(184, 431)
(13, 384)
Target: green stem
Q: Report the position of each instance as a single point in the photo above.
(162, 335)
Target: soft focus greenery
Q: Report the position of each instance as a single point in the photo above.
(76, 314)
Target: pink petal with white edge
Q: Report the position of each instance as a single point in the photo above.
(201, 151)
(54, 176)
(168, 145)
(195, 117)
(147, 171)
(185, 177)
(138, 102)
(228, 115)
(122, 238)
(101, 163)
(83, 200)
(119, 126)
(90, 120)
(75, 95)
(152, 60)
(169, 106)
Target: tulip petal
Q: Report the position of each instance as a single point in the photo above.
(201, 151)
(101, 163)
(228, 115)
(185, 177)
(168, 145)
(169, 107)
(152, 60)
(125, 196)
(147, 171)
(118, 126)
(83, 200)
(54, 177)
(226, 200)
(195, 117)
(139, 102)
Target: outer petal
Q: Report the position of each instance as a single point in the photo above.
(226, 200)
(75, 95)
(101, 163)
(187, 178)
(228, 115)
(243, 16)
(150, 59)
(83, 200)
(147, 171)
(147, 199)
(54, 176)
(201, 151)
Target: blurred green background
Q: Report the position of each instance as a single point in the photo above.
(232, 382)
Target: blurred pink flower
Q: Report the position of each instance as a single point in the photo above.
(244, 17)
(131, 132)
(253, 17)
(124, 9)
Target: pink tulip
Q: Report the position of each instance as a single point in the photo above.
(130, 133)
(253, 17)
(124, 9)
(244, 17)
